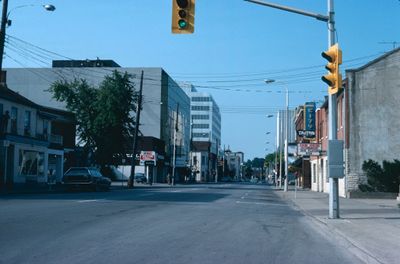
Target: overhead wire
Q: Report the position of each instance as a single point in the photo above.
(38, 55)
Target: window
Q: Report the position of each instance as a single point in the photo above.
(203, 160)
(314, 173)
(202, 117)
(201, 126)
(31, 163)
(45, 129)
(201, 135)
(14, 120)
(200, 107)
(27, 123)
(200, 99)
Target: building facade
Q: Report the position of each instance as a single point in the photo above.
(370, 116)
(35, 141)
(205, 128)
(165, 110)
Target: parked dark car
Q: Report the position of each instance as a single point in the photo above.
(140, 178)
(86, 177)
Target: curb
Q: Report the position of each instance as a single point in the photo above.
(345, 241)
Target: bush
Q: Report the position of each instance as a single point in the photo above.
(365, 188)
(385, 178)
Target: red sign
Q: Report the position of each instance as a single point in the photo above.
(308, 149)
(147, 155)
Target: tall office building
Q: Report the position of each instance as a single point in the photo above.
(205, 133)
(205, 117)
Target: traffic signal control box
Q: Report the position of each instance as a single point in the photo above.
(183, 16)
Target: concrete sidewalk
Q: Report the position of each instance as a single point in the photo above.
(369, 227)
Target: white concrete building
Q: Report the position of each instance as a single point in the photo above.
(205, 133)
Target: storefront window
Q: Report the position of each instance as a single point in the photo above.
(14, 120)
(27, 123)
(31, 163)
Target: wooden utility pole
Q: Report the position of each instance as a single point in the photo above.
(175, 137)
(135, 135)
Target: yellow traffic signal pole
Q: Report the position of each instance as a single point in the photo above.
(335, 147)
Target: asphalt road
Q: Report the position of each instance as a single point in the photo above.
(224, 223)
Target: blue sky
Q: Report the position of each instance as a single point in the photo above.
(236, 45)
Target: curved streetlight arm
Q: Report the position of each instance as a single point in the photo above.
(4, 21)
(47, 7)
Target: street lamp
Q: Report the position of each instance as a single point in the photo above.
(269, 81)
(5, 21)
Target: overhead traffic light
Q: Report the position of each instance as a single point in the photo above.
(183, 16)
(334, 79)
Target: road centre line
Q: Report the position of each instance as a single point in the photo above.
(88, 201)
(258, 203)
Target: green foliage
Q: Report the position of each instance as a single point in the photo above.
(269, 159)
(104, 123)
(257, 163)
(248, 171)
(385, 178)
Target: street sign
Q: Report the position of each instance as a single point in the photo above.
(309, 117)
(147, 156)
(306, 134)
(149, 163)
(309, 149)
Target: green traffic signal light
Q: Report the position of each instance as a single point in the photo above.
(182, 23)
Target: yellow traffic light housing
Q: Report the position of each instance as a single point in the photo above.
(334, 79)
(183, 16)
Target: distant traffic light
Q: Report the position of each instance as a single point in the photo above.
(334, 79)
(183, 16)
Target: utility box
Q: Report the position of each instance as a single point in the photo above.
(335, 159)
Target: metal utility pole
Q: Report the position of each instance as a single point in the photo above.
(135, 135)
(332, 126)
(174, 151)
(276, 160)
(223, 163)
(216, 162)
(280, 150)
(333, 148)
(286, 141)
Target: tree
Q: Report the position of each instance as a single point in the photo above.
(269, 159)
(258, 163)
(103, 114)
(248, 169)
(385, 178)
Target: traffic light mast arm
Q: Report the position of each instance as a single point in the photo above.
(291, 9)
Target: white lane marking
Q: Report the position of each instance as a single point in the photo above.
(244, 196)
(145, 194)
(257, 203)
(87, 201)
